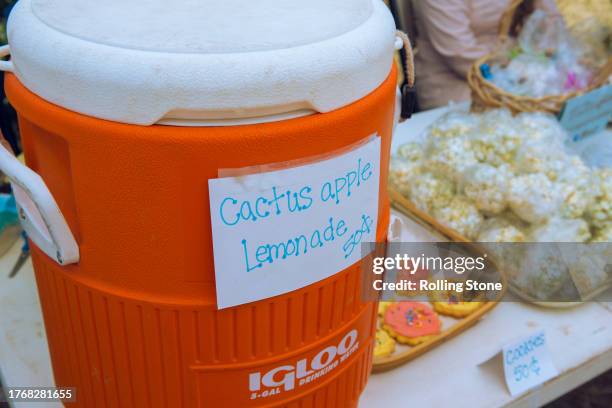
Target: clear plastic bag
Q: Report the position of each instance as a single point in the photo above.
(544, 60)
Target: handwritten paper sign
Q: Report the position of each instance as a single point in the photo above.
(527, 363)
(279, 231)
(587, 114)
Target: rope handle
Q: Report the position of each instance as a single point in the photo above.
(408, 90)
(409, 56)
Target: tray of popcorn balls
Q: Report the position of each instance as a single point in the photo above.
(493, 177)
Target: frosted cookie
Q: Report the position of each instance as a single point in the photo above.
(384, 344)
(451, 303)
(411, 323)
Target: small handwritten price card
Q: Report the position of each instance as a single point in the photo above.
(527, 363)
(587, 114)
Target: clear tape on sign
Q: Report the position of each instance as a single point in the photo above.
(268, 167)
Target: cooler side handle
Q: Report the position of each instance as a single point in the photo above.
(39, 214)
(6, 66)
(408, 91)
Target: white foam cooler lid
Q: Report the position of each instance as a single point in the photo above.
(201, 62)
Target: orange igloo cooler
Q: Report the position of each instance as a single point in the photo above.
(201, 176)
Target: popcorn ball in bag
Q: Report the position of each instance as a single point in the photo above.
(496, 178)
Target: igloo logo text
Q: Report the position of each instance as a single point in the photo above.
(304, 371)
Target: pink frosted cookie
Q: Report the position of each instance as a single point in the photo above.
(411, 322)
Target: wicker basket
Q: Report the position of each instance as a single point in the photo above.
(486, 95)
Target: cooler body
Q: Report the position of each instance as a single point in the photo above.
(134, 323)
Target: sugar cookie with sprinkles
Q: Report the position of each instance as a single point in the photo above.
(384, 344)
(411, 323)
(451, 303)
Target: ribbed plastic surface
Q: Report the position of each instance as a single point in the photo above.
(125, 353)
(134, 323)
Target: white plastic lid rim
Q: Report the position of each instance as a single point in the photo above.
(201, 62)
